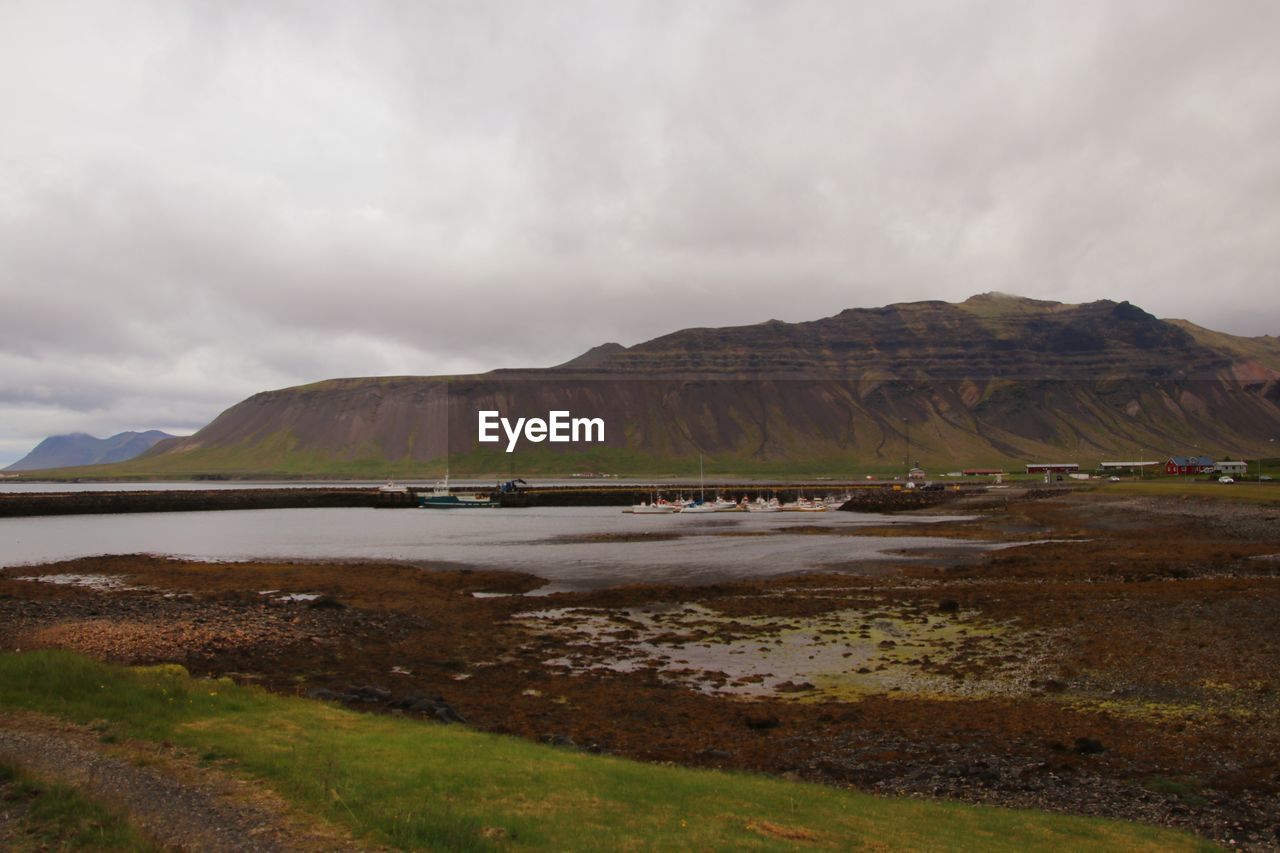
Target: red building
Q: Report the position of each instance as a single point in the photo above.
(1189, 465)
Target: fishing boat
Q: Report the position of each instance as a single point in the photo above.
(442, 497)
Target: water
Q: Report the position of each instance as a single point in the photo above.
(18, 486)
(547, 542)
(686, 484)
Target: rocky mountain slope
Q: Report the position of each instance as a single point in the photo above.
(994, 380)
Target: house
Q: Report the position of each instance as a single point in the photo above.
(1189, 465)
(1233, 468)
(915, 474)
(1052, 467)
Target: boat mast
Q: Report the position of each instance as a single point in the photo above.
(702, 486)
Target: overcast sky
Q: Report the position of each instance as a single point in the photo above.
(200, 200)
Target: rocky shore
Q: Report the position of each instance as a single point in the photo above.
(1124, 664)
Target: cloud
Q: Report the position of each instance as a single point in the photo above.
(202, 200)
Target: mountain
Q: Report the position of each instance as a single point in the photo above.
(78, 448)
(993, 380)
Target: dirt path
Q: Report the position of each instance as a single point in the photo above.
(166, 795)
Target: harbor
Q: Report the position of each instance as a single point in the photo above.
(861, 495)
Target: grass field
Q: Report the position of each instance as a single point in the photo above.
(413, 785)
(1257, 493)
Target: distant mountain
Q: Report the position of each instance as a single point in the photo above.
(993, 380)
(78, 448)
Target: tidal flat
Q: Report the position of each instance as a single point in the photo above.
(1115, 656)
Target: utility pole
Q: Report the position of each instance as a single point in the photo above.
(906, 425)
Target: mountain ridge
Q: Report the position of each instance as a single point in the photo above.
(990, 380)
(79, 448)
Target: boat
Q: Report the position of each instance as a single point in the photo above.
(722, 505)
(761, 505)
(804, 505)
(393, 488)
(659, 508)
(656, 505)
(442, 497)
(700, 505)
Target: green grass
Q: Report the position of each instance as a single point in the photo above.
(411, 784)
(57, 817)
(1256, 493)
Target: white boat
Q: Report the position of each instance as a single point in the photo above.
(700, 505)
(392, 488)
(658, 507)
(804, 505)
(761, 505)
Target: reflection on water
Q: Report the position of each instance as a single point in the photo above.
(575, 548)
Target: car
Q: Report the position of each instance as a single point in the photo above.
(1225, 480)
(1265, 478)
(1113, 479)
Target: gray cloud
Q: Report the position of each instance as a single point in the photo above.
(202, 200)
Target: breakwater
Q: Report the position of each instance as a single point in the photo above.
(82, 503)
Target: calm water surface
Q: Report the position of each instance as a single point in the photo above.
(17, 485)
(544, 541)
(21, 487)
